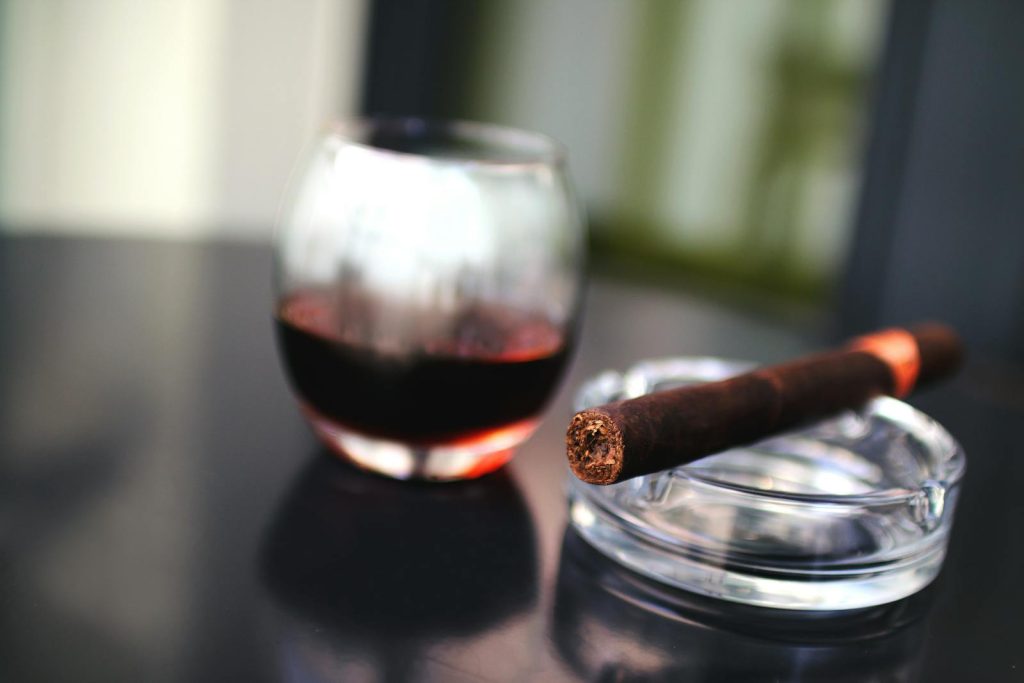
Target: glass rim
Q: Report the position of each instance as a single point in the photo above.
(527, 148)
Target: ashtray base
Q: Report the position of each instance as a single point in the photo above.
(824, 592)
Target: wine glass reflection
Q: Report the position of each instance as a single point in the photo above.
(371, 578)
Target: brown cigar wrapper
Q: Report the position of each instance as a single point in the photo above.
(659, 431)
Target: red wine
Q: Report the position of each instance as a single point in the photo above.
(491, 368)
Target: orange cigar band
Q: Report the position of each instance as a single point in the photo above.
(898, 350)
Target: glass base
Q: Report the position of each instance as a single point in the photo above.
(466, 458)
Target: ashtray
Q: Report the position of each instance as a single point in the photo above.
(849, 512)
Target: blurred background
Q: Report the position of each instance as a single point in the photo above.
(855, 161)
(799, 169)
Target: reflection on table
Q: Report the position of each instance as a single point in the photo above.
(371, 577)
(611, 624)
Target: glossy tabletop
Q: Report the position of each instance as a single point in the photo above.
(165, 514)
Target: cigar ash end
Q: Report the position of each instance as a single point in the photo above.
(594, 445)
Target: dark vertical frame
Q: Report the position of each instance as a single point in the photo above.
(940, 232)
(883, 173)
(414, 56)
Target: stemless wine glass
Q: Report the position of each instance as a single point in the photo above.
(428, 283)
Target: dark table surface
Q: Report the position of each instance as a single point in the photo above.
(165, 515)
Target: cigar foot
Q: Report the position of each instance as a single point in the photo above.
(595, 447)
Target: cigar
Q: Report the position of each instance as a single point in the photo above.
(666, 429)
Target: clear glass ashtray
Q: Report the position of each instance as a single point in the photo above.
(846, 513)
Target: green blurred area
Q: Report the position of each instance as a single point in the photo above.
(714, 139)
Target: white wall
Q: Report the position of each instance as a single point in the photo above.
(170, 118)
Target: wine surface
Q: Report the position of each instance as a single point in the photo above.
(493, 367)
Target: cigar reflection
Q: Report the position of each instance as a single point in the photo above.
(613, 625)
(368, 574)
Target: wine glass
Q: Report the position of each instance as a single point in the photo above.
(427, 291)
